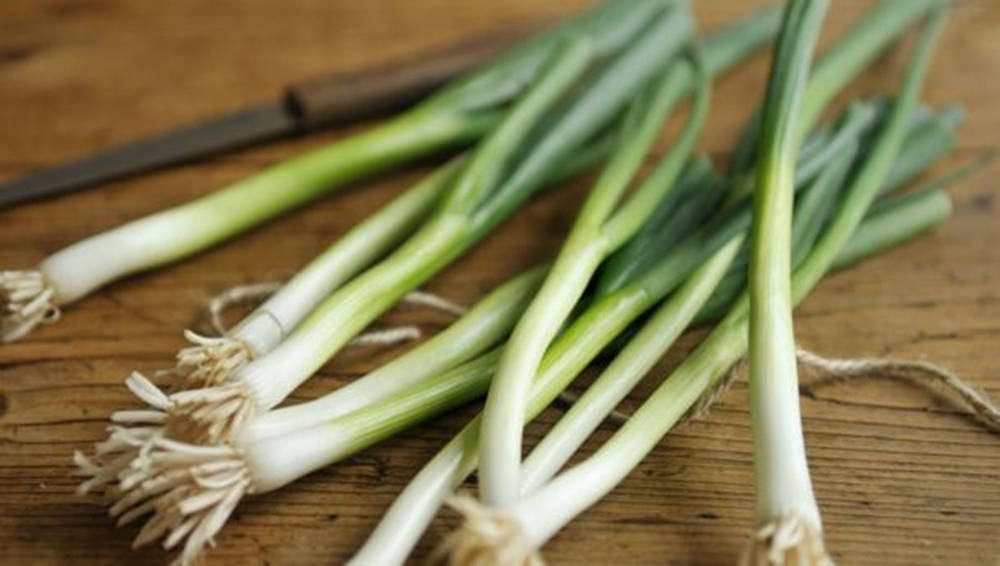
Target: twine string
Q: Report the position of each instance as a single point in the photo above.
(259, 292)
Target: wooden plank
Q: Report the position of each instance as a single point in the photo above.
(901, 476)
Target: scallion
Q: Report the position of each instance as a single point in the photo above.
(597, 232)
(786, 507)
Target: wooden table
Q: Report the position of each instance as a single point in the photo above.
(903, 477)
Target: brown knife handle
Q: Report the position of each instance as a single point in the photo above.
(356, 95)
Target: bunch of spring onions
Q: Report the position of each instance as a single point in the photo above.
(460, 113)
(402, 525)
(511, 163)
(676, 252)
(191, 489)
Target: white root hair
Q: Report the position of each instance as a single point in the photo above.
(486, 538)
(200, 416)
(28, 300)
(209, 361)
(789, 540)
(189, 491)
(136, 433)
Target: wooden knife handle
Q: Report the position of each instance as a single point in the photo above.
(356, 95)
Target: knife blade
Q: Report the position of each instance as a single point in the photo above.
(321, 102)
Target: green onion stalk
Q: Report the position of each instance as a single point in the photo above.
(786, 507)
(458, 114)
(597, 232)
(786, 526)
(585, 483)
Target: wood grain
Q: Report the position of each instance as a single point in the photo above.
(902, 477)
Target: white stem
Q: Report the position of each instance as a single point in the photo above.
(400, 528)
(261, 330)
(78, 269)
(357, 249)
(279, 460)
(507, 401)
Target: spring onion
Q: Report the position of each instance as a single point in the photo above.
(787, 518)
(596, 233)
(786, 508)
(459, 113)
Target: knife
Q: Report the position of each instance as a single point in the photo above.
(310, 105)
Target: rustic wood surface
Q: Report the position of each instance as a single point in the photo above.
(903, 477)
